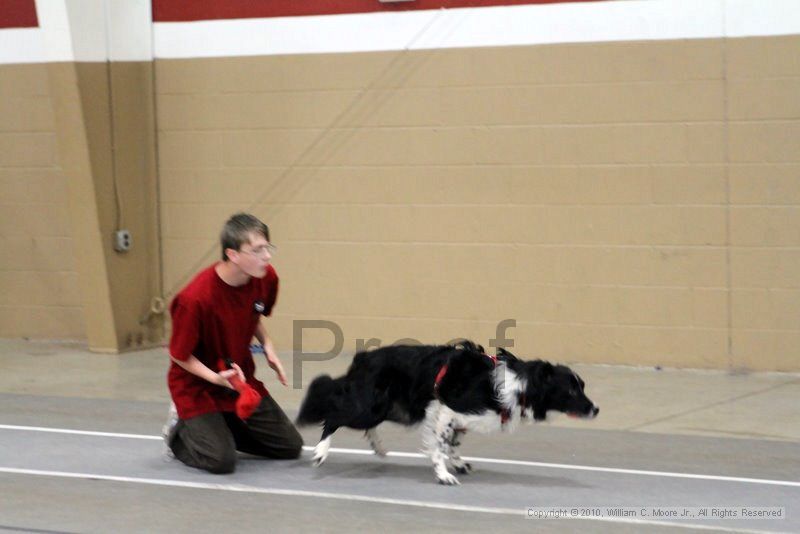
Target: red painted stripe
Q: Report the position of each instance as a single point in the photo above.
(18, 14)
(185, 11)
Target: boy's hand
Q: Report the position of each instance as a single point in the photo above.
(277, 366)
(227, 374)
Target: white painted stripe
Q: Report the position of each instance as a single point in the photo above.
(592, 22)
(745, 18)
(21, 45)
(665, 474)
(627, 20)
(55, 31)
(638, 472)
(86, 31)
(98, 30)
(130, 30)
(78, 432)
(365, 452)
(289, 35)
(242, 488)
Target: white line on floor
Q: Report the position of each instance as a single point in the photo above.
(242, 488)
(78, 432)
(665, 474)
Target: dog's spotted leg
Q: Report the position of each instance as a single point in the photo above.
(375, 442)
(437, 434)
(321, 452)
(456, 461)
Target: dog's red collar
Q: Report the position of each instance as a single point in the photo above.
(439, 378)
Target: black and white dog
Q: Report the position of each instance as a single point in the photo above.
(448, 388)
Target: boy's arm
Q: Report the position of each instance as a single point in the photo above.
(269, 351)
(198, 368)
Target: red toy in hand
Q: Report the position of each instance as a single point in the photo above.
(249, 398)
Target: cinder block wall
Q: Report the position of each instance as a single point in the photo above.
(764, 174)
(39, 293)
(629, 202)
(625, 201)
(77, 162)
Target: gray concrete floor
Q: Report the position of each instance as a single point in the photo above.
(666, 438)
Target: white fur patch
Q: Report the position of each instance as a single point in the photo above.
(442, 424)
(488, 422)
(321, 451)
(437, 433)
(508, 388)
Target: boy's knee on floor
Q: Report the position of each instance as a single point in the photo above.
(295, 446)
(290, 454)
(296, 452)
(224, 464)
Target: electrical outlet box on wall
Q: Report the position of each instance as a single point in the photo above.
(122, 240)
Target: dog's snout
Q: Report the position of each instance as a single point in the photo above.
(595, 411)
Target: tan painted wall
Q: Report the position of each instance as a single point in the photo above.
(624, 202)
(39, 293)
(67, 144)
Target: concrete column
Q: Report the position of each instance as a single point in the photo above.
(102, 87)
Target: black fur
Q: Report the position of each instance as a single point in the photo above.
(397, 383)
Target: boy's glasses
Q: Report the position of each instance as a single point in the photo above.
(262, 251)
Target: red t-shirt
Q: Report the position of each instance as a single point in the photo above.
(212, 320)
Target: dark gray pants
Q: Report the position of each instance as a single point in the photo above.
(210, 441)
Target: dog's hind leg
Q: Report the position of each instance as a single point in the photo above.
(375, 441)
(437, 433)
(456, 461)
(322, 448)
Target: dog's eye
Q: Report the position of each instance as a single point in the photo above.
(573, 392)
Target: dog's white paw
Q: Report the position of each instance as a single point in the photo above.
(320, 452)
(380, 450)
(447, 479)
(318, 459)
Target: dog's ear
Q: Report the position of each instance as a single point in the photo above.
(541, 373)
(503, 352)
(581, 382)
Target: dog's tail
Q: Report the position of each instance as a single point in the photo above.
(317, 402)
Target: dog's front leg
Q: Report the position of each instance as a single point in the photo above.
(456, 461)
(437, 434)
(322, 448)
